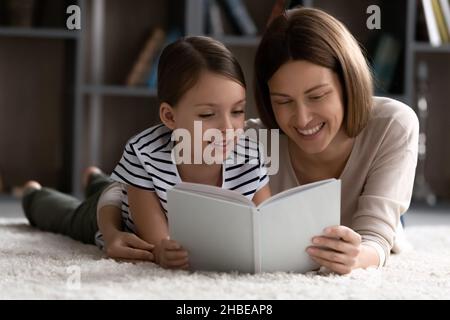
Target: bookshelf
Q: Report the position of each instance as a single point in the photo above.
(79, 110)
(39, 59)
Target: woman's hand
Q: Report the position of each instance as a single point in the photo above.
(128, 246)
(171, 255)
(338, 249)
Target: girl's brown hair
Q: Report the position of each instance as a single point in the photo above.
(182, 62)
(315, 36)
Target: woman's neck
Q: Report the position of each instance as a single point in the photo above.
(201, 173)
(327, 164)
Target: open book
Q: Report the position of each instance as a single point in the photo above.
(224, 231)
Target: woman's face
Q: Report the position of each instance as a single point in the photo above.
(217, 102)
(307, 103)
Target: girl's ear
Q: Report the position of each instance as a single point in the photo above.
(167, 115)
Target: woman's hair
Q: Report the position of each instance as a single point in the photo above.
(182, 62)
(315, 36)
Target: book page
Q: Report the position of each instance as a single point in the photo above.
(295, 190)
(214, 192)
(288, 225)
(217, 234)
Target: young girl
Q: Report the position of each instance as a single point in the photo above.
(199, 83)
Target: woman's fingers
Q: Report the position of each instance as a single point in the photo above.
(333, 266)
(344, 233)
(336, 245)
(332, 256)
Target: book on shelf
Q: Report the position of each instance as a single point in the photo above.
(152, 78)
(445, 8)
(214, 17)
(442, 27)
(223, 230)
(431, 22)
(144, 63)
(239, 17)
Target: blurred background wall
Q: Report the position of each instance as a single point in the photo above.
(71, 98)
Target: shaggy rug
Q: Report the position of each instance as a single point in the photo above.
(39, 265)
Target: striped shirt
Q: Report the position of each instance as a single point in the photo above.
(148, 163)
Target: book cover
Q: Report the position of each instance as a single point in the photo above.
(224, 231)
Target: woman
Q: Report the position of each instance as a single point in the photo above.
(313, 83)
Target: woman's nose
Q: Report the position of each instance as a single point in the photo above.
(303, 116)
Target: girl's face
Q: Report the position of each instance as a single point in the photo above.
(218, 103)
(308, 106)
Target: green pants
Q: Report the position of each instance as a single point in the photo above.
(53, 211)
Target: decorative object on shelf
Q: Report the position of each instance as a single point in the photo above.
(387, 55)
(20, 12)
(422, 191)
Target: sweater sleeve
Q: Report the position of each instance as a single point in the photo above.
(389, 183)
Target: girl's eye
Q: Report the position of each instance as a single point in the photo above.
(206, 115)
(282, 102)
(238, 112)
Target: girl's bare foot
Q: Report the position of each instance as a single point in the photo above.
(30, 185)
(88, 172)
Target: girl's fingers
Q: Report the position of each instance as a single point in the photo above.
(133, 254)
(176, 255)
(170, 244)
(134, 241)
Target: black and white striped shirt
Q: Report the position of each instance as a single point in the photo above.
(148, 163)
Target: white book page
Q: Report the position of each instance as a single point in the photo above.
(287, 227)
(295, 190)
(214, 192)
(217, 234)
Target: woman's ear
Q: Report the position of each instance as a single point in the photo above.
(167, 115)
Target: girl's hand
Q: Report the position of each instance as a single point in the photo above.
(128, 246)
(171, 255)
(338, 249)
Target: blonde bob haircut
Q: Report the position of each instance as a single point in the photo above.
(315, 36)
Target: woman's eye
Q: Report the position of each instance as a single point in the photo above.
(318, 97)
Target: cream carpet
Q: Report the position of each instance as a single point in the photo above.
(38, 265)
